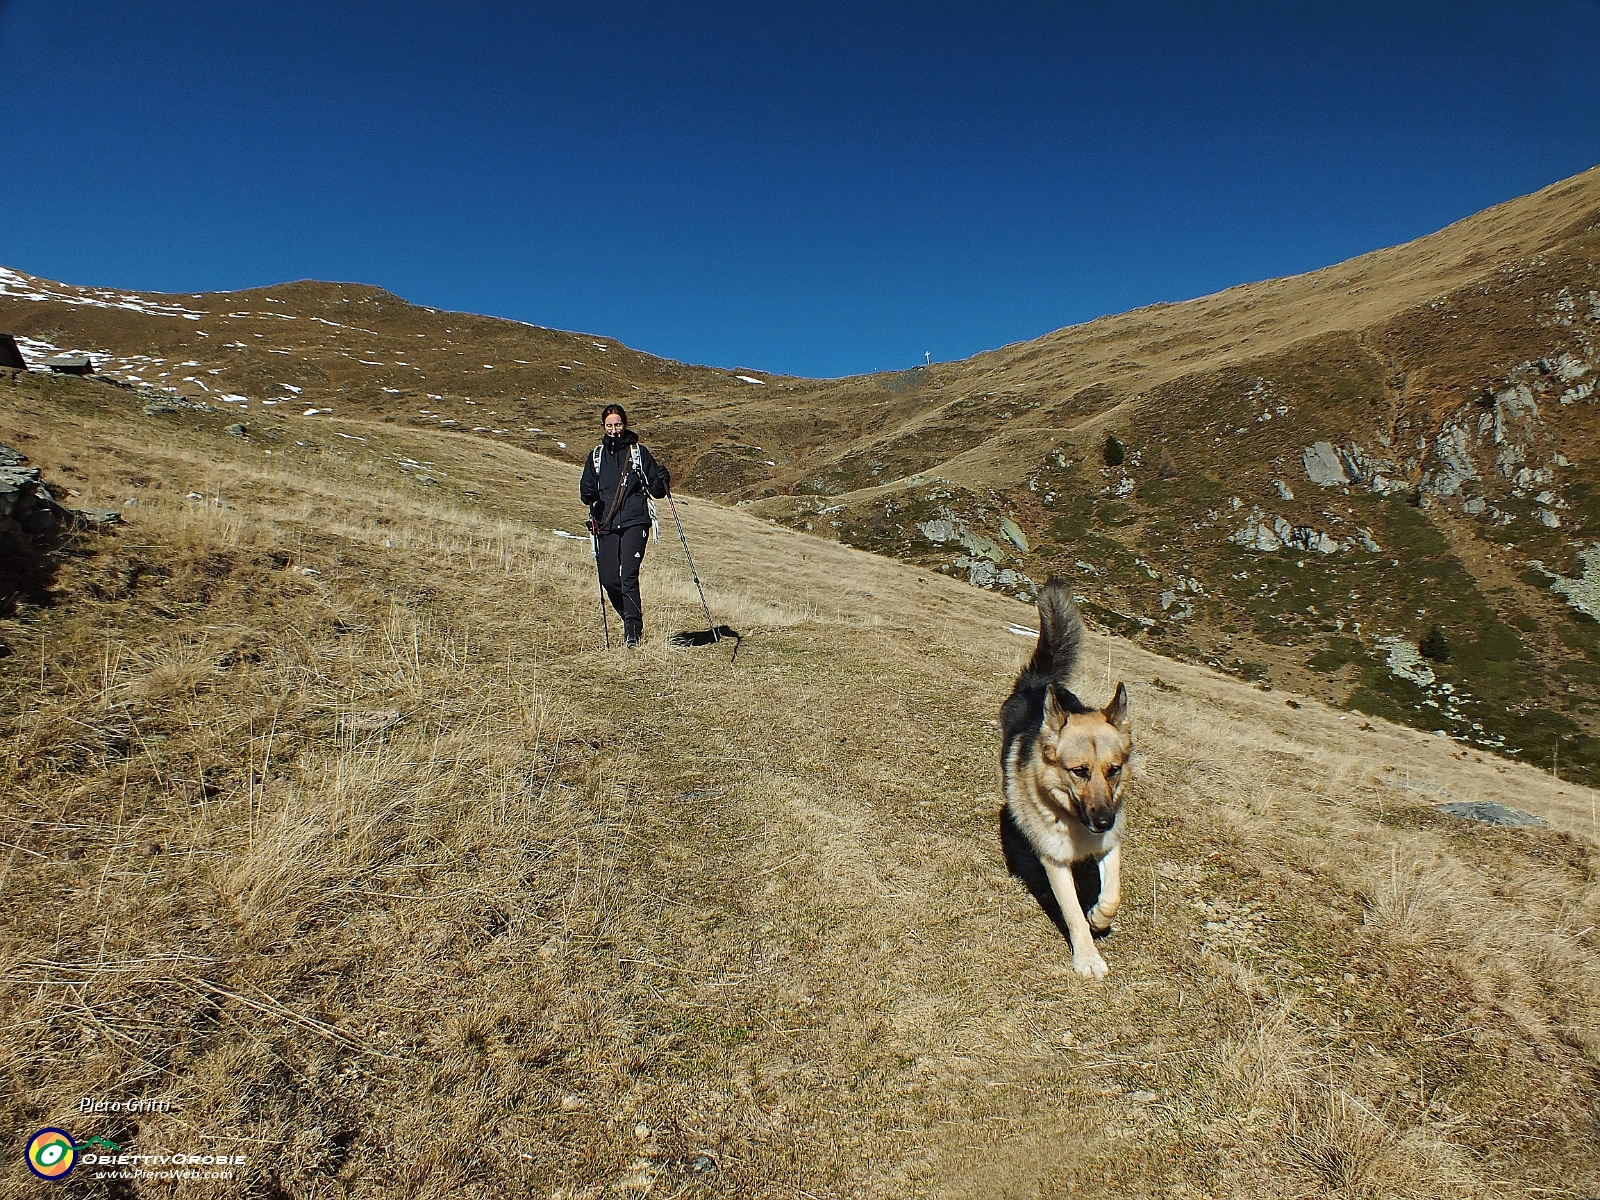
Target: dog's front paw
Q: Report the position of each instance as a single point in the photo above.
(1099, 921)
(1090, 965)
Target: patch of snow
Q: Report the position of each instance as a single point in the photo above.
(26, 287)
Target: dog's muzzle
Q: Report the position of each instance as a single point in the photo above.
(1062, 804)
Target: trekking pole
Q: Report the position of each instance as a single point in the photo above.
(692, 574)
(594, 544)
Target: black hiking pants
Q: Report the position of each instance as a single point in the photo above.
(621, 554)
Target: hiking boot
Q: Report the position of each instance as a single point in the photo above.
(632, 635)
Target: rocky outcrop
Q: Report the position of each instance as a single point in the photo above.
(1502, 443)
(26, 505)
(1323, 465)
(1268, 534)
(1350, 465)
(1583, 592)
(981, 573)
(947, 527)
(984, 554)
(1405, 660)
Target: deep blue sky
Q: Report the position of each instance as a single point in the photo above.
(812, 188)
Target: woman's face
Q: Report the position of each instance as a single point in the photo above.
(614, 425)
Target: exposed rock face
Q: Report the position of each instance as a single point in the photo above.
(1456, 467)
(1267, 533)
(1492, 813)
(1502, 443)
(171, 402)
(1406, 661)
(947, 527)
(1352, 464)
(984, 574)
(26, 505)
(1323, 466)
(1583, 593)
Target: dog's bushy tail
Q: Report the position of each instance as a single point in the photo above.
(1060, 632)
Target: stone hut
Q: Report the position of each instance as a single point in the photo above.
(70, 364)
(10, 356)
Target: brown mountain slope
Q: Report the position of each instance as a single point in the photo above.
(338, 844)
(1317, 470)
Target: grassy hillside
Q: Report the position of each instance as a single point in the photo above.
(329, 821)
(1450, 384)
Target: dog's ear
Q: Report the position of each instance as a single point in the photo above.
(1055, 712)
(1117, 711)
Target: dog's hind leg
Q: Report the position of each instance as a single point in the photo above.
(1110, 891)
(1086, 960)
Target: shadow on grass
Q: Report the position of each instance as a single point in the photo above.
(27, 568)
(1023, 862)
(689, 638)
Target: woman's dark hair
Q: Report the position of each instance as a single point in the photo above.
(614, 408)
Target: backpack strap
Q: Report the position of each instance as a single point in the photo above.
(596, 460)
(655, 519)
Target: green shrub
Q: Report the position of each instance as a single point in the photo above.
(1114, 453)
(1434, 645)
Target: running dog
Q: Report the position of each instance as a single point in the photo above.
(1063, 764)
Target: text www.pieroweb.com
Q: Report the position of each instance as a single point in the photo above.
(164, 1166)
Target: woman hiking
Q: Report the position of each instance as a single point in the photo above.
(617, 478)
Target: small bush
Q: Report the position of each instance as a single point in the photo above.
(1434, 646)
(1114, 453)
(1168, 469)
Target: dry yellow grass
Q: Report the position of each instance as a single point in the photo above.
(328, 820)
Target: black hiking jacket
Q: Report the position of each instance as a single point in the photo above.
(599, 491)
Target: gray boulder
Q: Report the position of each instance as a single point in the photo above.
(1491, 813)
(1323, 465)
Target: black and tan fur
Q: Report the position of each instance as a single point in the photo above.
(1063, 764)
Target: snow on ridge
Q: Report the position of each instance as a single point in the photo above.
(36, 350)
(336, 325)
(24, 287)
